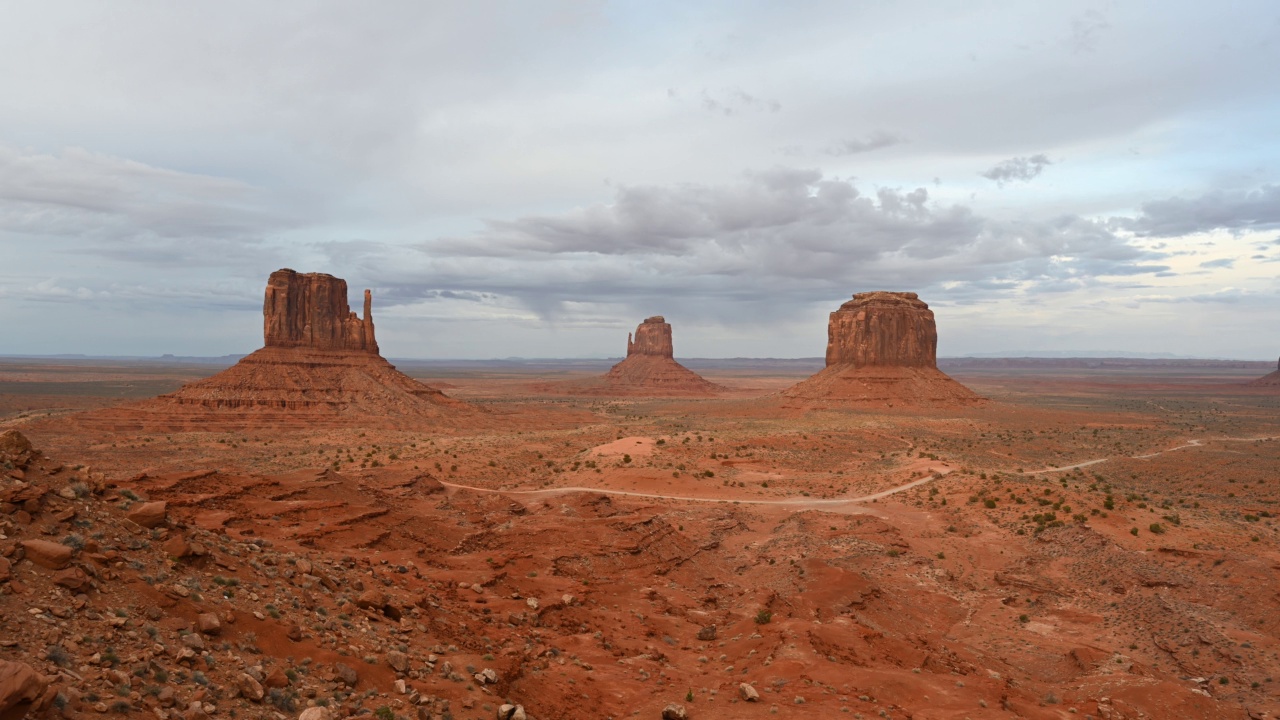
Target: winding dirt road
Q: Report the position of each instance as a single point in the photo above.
(807, 502)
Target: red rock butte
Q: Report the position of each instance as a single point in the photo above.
(648, 370)
(1271, 380)
(319, 365)
(882, 349)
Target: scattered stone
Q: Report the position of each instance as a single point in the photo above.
(371, 599)
(209, 624)
(250, 688)
(52, 555)
(277, 678)
(508, 711)
(72, 578)
(149, 515)
(398, 661)
(315, 713)
(675, 712)
(346, 674)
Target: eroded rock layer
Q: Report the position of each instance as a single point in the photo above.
(882, 350)
(320, 365)
(310, 310)
(883, 329)
(652, 337)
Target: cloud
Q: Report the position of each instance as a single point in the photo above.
(125, 210)
(734, 101)
(781, 237)
(1086, 32)
(1018, 168)
(874, 141)
(1234, 210)
(1219, 263)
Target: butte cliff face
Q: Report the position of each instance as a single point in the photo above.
(649, 370)
(883, 329)
(319, 366)
(882, 350)
(309, 310)
(652, 337)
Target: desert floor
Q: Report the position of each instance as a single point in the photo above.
(1090, 542)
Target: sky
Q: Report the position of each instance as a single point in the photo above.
(517, 179)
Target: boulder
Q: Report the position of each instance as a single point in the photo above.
(249, 687)
(371, 599)
(507, 711)
(315, 713)
(209, 623)
(346, 674)
(52, 555)
(748, 692)
(72, 578)
(148, 515)
(707, 634)
(277, 678)
(21, 688)
(674, 711)
(15, 446)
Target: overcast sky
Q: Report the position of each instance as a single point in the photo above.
(534, 178)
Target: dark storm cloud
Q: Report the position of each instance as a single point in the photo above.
(1018, 168)
(1235, 210)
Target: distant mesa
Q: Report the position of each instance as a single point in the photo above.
(649, 370)
(319, 364)
(1272, 380)
(882, 349)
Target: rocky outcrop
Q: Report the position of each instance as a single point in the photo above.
(653, 338)
(648, 370)
(310, 310)
(883, 329)
(1272, 380)
(882, 351)
(320, 366)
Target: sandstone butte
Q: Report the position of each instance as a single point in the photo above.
(648, 370)
(882, 350)
(319, 364)
(1271, 380)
